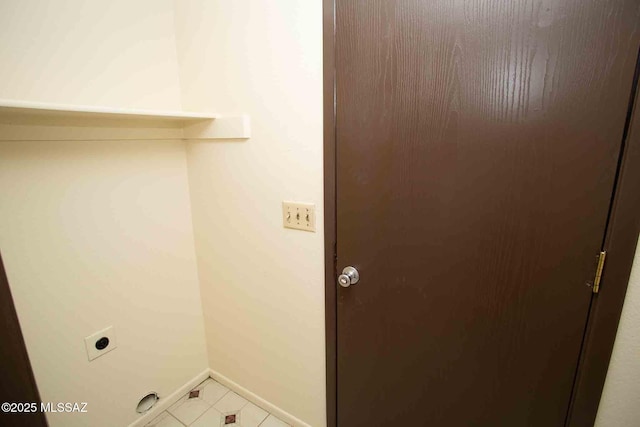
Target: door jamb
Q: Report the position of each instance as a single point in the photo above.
(620, 240)
(329, 178)
(621, 237)
(19, 384)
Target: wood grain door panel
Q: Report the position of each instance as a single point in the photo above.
(477, 145)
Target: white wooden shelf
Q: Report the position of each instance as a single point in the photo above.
(24, 120)
(40, 108)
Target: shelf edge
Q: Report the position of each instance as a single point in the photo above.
(42, 108)
(225, 127)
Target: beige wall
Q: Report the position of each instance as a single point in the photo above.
(262, 285)
(98, 233)
(95, 234)
(118, 53)
(619, 403)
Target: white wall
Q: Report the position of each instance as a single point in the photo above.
(98, 233)
(619, 403)
(262, 285)
(118, 53)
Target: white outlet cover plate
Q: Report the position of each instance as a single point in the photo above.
(299, 216)
(90, 343)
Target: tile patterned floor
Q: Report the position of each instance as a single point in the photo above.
(213, 405)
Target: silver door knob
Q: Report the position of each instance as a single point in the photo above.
(348, 277)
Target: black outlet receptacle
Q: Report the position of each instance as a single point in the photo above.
(102, 343)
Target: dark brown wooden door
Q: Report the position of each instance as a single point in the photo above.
(477, 146)
(17, 384)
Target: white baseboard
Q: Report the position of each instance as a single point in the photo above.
(165, 402)
(257, 400)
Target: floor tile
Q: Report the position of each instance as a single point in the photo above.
(252, 415)
(211, 418)
(205, 382)
(165, 420)
(187, 410)
(231, 419)
(230, 402)
(272, 421)
(210, 405)
(213, 391)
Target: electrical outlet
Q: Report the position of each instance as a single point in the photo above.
(100, 343)
(300, 216)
